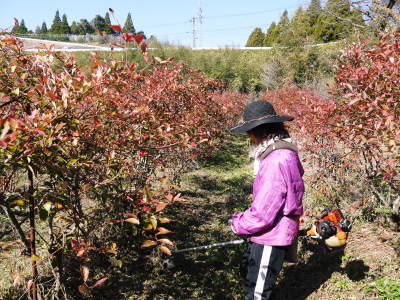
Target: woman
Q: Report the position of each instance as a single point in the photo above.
(272, 220)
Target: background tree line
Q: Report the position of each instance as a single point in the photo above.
(61, 26)
(325, 22)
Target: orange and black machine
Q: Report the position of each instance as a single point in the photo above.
(330, 226)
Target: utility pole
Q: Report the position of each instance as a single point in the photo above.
(194, 32)
(197, 21)
(200, 23)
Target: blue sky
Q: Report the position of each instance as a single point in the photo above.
(225, 22)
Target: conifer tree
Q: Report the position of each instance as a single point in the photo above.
(271, 35)
(20, 29)
(43, 29)
(55, 27)
(128, 27)
(107, 22)
(313, 19)
(64, 27)
(15, 29)
(297, 31)
(256, 38)
(337, 20)
(283, 28)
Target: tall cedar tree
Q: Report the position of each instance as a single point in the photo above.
(334, 25)
(271, 35)
(20, 29)
(56, 26)
(314, 19)
(283, 29)
(64, 27)
(256, 38)
(298, 28)
(128, 27)
(107, 22)
(43, 29)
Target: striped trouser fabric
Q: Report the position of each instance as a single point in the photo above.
(260, 267)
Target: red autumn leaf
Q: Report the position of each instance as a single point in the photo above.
(128, 37)
(143, 46)
(132, 215)
(166, 241)
(138, 38)
(99, 282)
(148, 243)
(116, 27)
(162, 230)
(170, 197)
(84, 290)
(146, 208)
(160, 206)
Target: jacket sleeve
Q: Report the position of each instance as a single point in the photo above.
(269, 195)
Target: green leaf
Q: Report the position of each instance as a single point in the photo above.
(43, 214)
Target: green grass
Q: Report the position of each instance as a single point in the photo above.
(384, 289)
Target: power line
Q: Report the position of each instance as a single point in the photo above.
(223, 16)
(215, 30)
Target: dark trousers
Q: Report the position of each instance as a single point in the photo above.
(260, 267)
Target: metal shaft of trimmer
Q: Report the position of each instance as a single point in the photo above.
(236, 242)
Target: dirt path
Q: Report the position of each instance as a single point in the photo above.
(368, 268)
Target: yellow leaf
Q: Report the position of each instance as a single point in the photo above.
(164, 220)
(19, 202)
(35, 258)
(147, 195)
(148, 243)
(165, 250)
(153, 222)
(132, 220)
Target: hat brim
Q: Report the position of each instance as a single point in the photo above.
(250, 125)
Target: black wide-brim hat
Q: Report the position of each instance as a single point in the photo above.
(257, 113)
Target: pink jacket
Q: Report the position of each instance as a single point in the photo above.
(273, 218)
